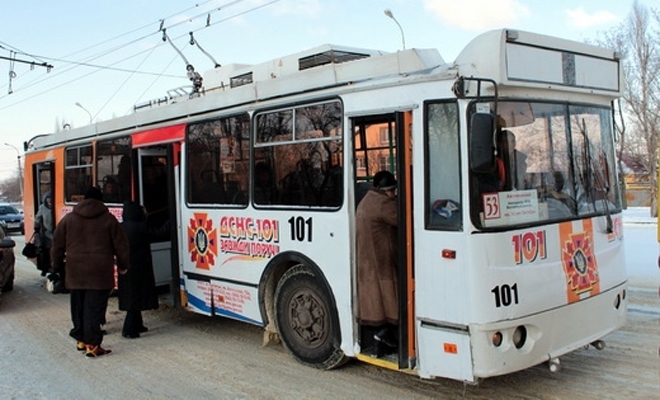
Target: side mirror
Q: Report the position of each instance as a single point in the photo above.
(482, 126)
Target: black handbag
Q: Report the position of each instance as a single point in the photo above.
(31, 250)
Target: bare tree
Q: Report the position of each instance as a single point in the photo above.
(638, 41)
(10, 189)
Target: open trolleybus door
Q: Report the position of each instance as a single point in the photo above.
(384, 142)
(43, 183)
(157, 160)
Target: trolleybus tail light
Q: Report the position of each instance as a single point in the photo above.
(497, 339)
(451, 254)
(519, 336)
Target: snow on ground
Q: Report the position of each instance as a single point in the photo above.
(640, 236)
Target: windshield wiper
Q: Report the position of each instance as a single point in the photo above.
(595, 180)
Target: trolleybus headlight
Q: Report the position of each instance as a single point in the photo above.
(519, 336)
(617, 301)
(624, 294)
(497, 339)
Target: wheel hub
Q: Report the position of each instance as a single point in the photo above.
(308, 318)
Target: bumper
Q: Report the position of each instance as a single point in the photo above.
(15, 227)
(549, 334)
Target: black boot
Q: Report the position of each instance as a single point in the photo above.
(387, 337)
(380, 349)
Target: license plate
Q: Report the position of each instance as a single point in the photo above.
(13, 225)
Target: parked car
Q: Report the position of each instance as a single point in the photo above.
(7, 262)
(12, 217)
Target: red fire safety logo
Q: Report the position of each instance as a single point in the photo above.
(202, 241)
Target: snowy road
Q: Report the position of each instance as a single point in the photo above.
(641, 246)
(189, 356)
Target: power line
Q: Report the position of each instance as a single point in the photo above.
(119, 47)
(98, 55)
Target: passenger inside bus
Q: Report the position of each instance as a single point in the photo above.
(155, 192)
(560, 203)
(124, 177)
(265, 191)
(376, 231)
(111, 190)
(211, 189)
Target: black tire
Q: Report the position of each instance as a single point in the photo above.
(306, 321)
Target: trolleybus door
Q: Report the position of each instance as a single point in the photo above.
(382, 142)
(44, 174)
(153, 194)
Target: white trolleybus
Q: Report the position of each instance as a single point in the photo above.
(509, 213)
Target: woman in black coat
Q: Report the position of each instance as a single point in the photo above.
(137, 288)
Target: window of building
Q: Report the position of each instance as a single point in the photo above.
(384, 135)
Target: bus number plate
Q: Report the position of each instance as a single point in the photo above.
(505, 295)
(301, 229)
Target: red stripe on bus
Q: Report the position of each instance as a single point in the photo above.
(168, 134)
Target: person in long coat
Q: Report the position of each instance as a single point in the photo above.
(44, 227)
(90, 239)
(376, 229)
(137, 288)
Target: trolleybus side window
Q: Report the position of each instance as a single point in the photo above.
(300, 151)
(77, 172)
(444, 182)
(113, 173)
(217, 157)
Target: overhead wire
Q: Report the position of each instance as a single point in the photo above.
(152, 84)
(107, 40)
(122, 85)
(124, 45)
(119, 47)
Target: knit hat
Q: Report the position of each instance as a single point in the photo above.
(384, 180)
(94, 193)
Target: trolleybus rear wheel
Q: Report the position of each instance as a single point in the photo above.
(305, 320)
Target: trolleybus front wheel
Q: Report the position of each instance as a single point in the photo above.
(305, 320)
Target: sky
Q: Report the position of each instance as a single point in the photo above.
(107, 56)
